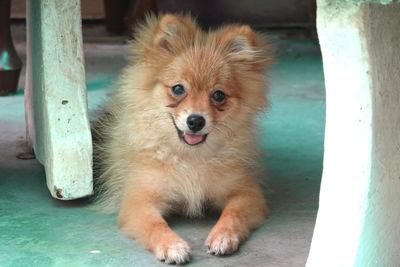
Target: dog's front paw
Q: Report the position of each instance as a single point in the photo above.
(173, 252)
(222, 242)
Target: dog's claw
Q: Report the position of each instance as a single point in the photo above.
(222, 243)
(174, 253)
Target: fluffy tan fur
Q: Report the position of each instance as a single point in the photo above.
(146, 171)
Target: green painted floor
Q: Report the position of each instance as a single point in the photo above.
(36, 230)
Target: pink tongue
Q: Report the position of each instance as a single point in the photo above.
(193, 139)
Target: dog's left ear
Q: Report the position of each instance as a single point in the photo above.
(243, 45)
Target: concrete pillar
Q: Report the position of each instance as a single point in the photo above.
(359, 212)
(55, 97)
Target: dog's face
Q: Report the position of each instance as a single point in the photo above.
(201, 95)
(211, 84)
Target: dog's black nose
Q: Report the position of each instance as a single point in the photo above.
(195, 122)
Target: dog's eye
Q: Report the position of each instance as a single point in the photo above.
(178, 90)
(218, 97)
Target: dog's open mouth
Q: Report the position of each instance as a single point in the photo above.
(192, 139)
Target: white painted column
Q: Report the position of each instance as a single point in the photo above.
(56, 96)
(359, 209)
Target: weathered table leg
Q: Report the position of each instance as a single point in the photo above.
(359, 213)
(56, 101)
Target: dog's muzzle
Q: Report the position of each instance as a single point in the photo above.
(195, 124)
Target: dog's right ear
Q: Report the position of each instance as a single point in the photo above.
(174, 33)
(160, 37)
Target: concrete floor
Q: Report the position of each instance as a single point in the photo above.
(37, 230)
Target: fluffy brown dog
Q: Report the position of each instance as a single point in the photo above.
(178, 135)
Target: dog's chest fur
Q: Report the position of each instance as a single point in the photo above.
(192, 184)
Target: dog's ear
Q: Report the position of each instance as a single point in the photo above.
(157, 38)
(245, 46)
(174, 33)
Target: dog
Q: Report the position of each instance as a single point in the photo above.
(178, 136)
